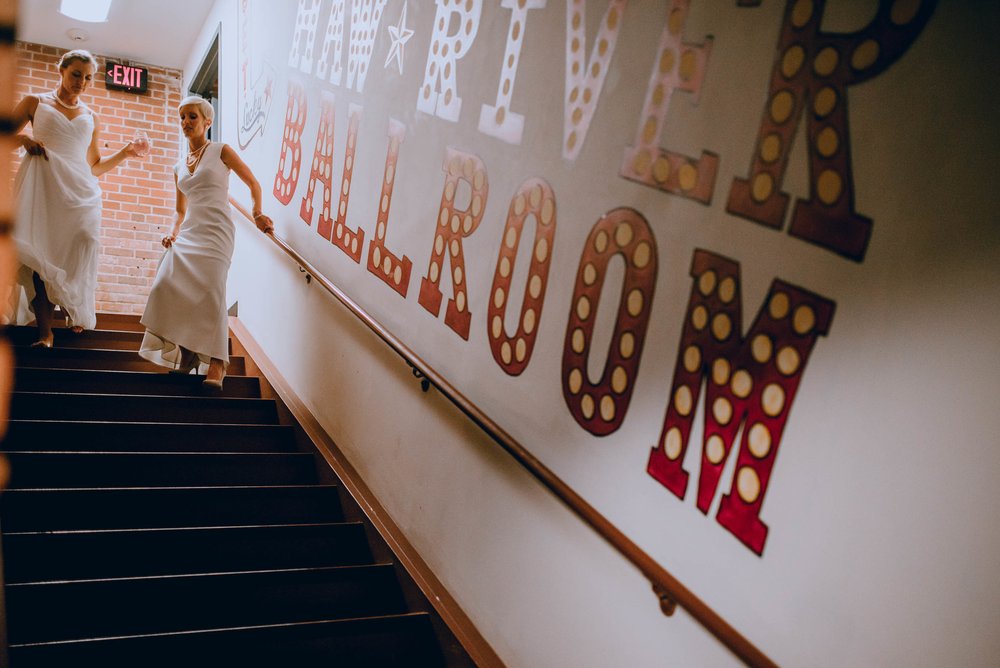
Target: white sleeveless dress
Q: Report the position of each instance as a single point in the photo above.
(187, 303)
(58, 219)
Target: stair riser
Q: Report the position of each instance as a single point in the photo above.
(43, 470)
(131, 539)
(107, 608)
(113, 321)
(80, 556)
(124, 437)
(108, 360)
(55, 510)
(126, 408)
(364, 643)
(80, 381)
(101, 339)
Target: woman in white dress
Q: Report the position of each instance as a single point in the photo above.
(59, 201)
(186, 320)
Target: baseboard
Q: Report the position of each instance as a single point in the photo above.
(446, 607)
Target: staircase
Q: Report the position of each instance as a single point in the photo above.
(151, 522)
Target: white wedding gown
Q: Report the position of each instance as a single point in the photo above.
(58, 219)
(187, 303)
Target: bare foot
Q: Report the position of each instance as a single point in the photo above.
(43, 342)
(76, 329)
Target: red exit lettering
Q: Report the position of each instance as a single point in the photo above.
(123, 75)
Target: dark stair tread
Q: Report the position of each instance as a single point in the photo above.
(50, 379)
(161, 507)
(79, 555)
(94, 358)
(64, 435)
(149, 469)
(151, 522)
(120, 321)
(138, 408)
(372, 642)
(71, 610)
(110, 339)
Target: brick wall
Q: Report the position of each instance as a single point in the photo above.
(139, 193)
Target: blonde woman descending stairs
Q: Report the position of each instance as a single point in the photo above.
(187, 327)
(59, 201)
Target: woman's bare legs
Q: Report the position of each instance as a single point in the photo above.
(43, 313)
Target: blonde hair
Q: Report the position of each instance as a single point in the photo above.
(204, 106)
(82, 55)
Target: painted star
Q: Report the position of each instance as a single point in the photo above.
(399, 34)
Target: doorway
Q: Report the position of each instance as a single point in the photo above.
(206, 84)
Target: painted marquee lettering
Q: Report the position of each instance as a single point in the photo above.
(322, 170)
(678, 66)
(300, 56)
(331, 227)
(535, 200)
(366, 15)
(439, 90)
(333, 45)
(748, 383)
(585, 76)
(600, 407)
(810, 76)
(287, 175)
(498, 120)
(454, 224)
(348, 240)
(365, 18)
(395, 272)
(751, 382)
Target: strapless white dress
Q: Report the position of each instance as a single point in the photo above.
(187, 303)
(57, 234)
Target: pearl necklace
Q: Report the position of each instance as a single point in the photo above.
(194, 155)
(55, 96)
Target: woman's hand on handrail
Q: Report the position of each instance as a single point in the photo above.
(263, 222)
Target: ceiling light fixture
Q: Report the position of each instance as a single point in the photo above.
(77, 35)
(91, 11)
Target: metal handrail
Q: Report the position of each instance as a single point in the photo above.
(667, 588)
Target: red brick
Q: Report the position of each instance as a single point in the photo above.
(139, 195)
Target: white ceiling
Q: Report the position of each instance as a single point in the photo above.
(152, 32)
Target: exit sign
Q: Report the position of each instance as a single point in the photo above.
(126, 77)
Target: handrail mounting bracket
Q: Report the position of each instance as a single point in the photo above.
(425, 383)
(668, 605)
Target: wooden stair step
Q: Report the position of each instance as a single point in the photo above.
(136, 408)
(50, 611)
(64, 436)
(129, 382)
(32, 470)
(152, 522)
(124, 321)
(80, 555)
(389, 640)
(108, 339)
(141, 508)
(95, 358)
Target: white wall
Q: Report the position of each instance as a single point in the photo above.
(541, 588)
(883, 543)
